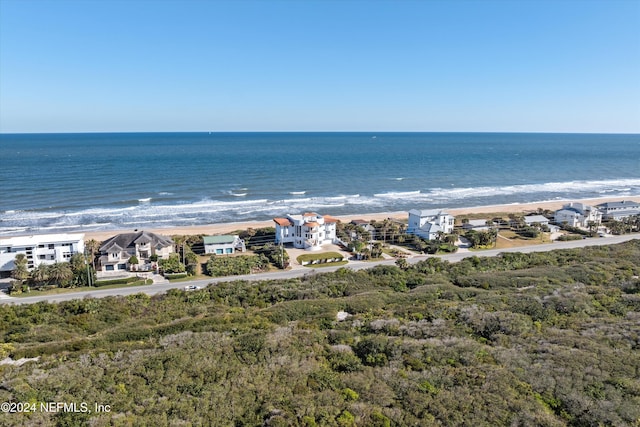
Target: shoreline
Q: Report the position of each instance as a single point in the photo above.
(229, 227)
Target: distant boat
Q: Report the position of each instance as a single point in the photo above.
(297, 193)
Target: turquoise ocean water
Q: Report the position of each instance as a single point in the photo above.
(74, 182)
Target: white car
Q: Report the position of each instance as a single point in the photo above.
(192, 288)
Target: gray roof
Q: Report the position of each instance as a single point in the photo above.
(125, 240)
(535, 218)
(628, 204)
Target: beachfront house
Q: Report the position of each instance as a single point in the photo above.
(116, 252)
(307, 231)
(430, 224)
(619, 210)
(577, 215)
(530, 220)
(365, 225)
(39, 249)
(223, 245)
(476, 224)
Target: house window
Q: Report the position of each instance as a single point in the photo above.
(219, 251)
(51, 245)
(41, 257)
(229, 250)
(109, 267)
(122, 266)
(41, 246)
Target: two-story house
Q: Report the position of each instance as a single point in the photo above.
(307, 231)
(116, 251)
(226, 244)
(429, 224)
(619, 210)
(577, 215)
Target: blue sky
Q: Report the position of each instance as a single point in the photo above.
(103, 66)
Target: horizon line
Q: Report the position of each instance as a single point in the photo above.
(310, 131)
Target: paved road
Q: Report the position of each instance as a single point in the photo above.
(299, 272)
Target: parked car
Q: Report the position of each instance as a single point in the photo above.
(192, 288)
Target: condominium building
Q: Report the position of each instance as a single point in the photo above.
(39, 249)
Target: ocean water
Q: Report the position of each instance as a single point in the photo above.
(81, 182)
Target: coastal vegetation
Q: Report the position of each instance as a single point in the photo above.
(540, 339)
(78, 272)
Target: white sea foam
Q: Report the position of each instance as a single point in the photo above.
(246, 208)
(398, 194)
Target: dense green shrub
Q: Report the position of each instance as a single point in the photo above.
(521, 339)
(120, 281)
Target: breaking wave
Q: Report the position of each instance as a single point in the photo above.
(160, 213)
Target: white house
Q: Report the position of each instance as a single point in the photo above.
(476, 224)
(39, 249)
(619, 210)
(219, 245)
(428, 224)
(307, 231)
(577, 215)
(116, 251)
(532, 219)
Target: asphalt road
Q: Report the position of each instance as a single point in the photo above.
(298, 272)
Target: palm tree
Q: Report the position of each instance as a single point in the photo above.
(60, 273)
(93, 246)
(40, 275)
(20, 271)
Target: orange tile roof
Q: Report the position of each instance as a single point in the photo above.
(329, 218)
(283, 222)
(310, 214)
(311, 224)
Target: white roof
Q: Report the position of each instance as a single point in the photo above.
(431, 212)
(535, 218)
(38, 239)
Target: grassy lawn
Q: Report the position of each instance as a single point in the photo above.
(512, 240)
(57, 291)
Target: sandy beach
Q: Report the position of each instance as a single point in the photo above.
(224, 228)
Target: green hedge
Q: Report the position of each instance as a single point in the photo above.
(567, 237)
(305, 259)
(172, 276)
(120, 281)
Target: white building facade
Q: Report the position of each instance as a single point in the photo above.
(39, 249)
(577, 215)
(223, 245)
(307, 231)
(428, 224)
(619, 210)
